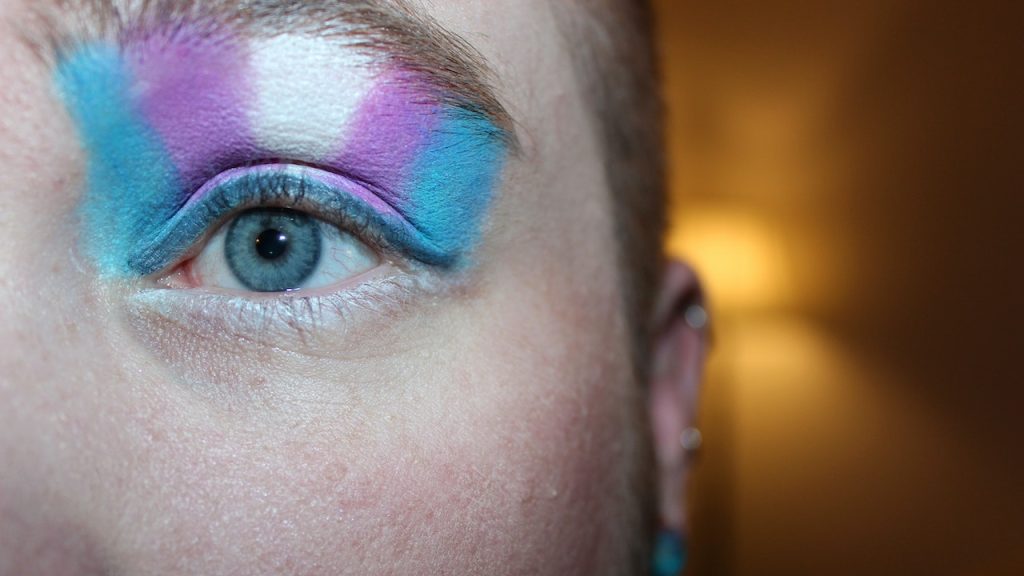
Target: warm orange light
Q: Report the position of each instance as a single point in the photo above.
(739, 256)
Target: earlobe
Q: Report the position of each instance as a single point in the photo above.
(680, 344)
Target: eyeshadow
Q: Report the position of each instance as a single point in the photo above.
(163, 114)
(194, 93)
(441, 163)
(305, 92)
(131, 180)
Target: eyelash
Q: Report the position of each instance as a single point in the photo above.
(276, 319)
(282, 320)
(285, 186)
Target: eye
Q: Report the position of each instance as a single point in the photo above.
(280, 250)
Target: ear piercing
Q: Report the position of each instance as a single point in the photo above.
(671, 550)
(691, 439)
(696, 317)
(670, 553)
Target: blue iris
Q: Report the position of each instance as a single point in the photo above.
(273, 249)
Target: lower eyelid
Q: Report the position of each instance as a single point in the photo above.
(283, 318)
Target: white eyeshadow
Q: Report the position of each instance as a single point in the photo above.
(307, 92)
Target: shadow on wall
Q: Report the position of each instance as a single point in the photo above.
(845, 179)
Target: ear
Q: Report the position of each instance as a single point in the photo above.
(679, 347)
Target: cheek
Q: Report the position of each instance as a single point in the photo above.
(504, 449)
(518, 455)
(539, 429)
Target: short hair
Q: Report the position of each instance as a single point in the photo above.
(615, 61)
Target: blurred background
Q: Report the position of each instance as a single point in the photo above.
(847, 178)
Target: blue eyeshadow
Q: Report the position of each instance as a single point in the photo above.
(131, 183)
(453, 181)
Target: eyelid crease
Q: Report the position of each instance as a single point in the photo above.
(269, 164)
(338, 199)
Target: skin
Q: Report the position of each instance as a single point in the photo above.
(487, 427)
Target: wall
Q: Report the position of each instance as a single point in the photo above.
(847, 177)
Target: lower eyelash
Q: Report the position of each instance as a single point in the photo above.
(282, 320)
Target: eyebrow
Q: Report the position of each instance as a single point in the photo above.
(391, 30)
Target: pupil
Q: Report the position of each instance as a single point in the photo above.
(271, 244)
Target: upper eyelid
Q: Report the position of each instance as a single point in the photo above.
(436, 164)
(457, 72)
(338, 199)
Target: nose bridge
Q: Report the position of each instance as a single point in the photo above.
(55, 348)
(42, 530)
(33, 518)
(50, 456)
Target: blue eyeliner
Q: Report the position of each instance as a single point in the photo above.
(342, 202)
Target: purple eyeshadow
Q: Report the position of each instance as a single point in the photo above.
(194, 93)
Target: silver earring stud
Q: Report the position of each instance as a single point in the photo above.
(696, 317)
(691, 439)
